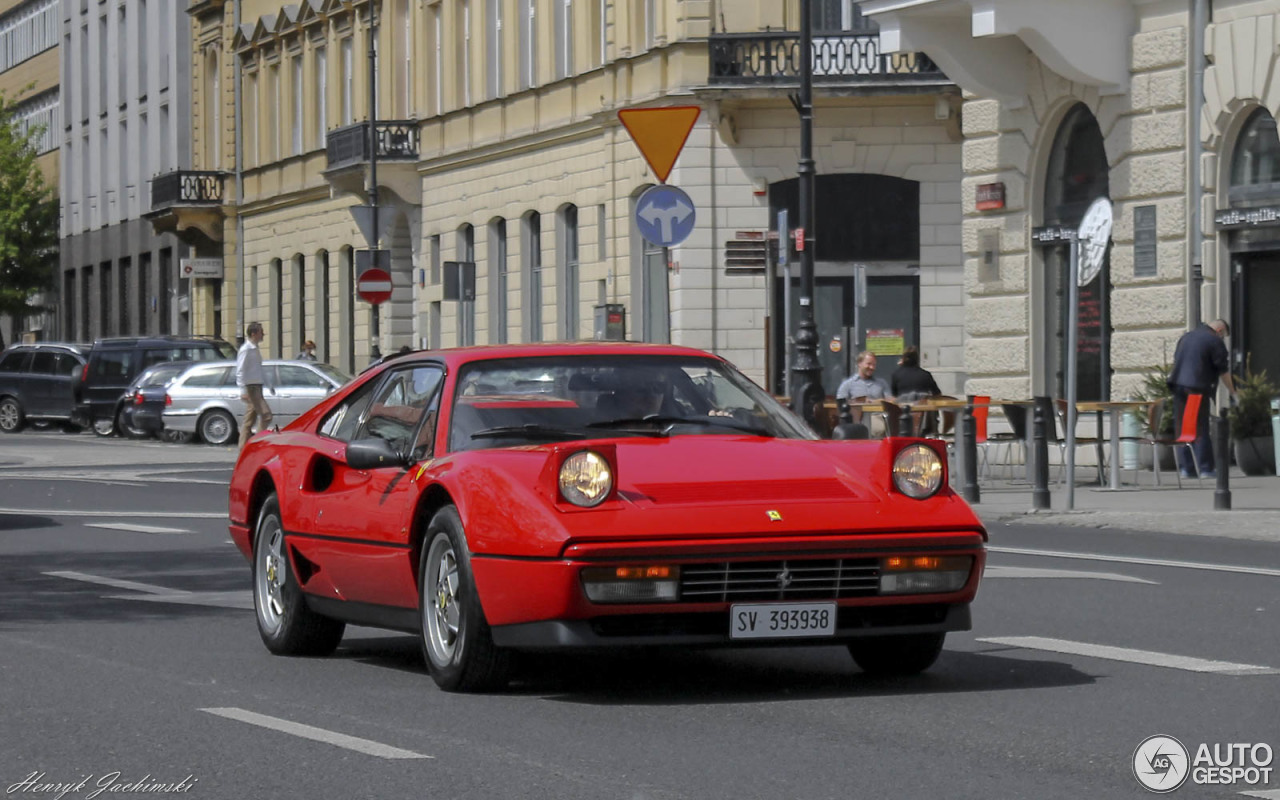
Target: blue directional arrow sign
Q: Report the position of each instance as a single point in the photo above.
(665, 215)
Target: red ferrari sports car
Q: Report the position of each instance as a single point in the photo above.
(591, 495)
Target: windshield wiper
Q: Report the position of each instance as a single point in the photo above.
(671, 422)
(528, 432)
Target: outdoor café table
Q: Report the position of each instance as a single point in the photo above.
(1113, 408)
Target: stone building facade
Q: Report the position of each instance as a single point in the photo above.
(499, 145)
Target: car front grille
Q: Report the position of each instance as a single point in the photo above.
(791, 579)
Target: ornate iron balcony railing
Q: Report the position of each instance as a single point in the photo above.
(764, 59)
(396, 140)
(187, 187)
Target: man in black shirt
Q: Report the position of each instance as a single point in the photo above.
(1199, 360)
(911, 381)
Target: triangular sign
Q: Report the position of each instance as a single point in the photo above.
(660, 133)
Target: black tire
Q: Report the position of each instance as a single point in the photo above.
(128, 430)
(456, 641)
(288, 627)
(12, 418)
(175, 437)
(104, 427)
(897, 655)
(217, 427)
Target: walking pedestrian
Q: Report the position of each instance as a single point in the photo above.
(250, 377)
(308, 351)
(1199, 361)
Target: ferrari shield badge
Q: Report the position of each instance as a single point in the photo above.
(774, 516)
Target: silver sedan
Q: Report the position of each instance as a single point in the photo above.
(205, 400)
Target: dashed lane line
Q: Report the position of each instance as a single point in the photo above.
(366, 746)
(70, 512)
(1265, 794)
(1148, 657)
(1151, 562)
(115, 583)
(999, 571)
(241, 599)
(134, 527)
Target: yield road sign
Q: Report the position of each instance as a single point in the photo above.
(660, 133)
(374, 286)
(665, 215)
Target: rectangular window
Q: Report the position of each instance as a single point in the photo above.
(348, 81)
(296, 89)
(563, 19)
(163, 44)
(122, 63)
(126, 313)
(82, 53)
(251, 112)
(273, 112)
(126, 177)
(498, 273)
(528, 36)
(493, 48)
(405, 25)
(570, 273)
(103, 64)
(533, 275)
(322, 95)
(464, 73)
(650, 23)
(435, 260)
(42, 112)
(28, 31)
(595, 53)
(143, 44)
(165, 164)
(437, 61)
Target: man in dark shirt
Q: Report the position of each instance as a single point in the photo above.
(1199, 360)
(910, 381)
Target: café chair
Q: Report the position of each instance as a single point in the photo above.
(1186, 435)
(1096, 442)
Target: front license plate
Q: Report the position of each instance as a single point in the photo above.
(781, 620)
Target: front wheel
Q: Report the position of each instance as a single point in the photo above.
(456, 639)
(11, 416)
(897, 655)
(217, 427)
(128, 429)
(105, 427)
(287, 626)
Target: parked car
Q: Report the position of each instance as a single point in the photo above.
(37, 383)
(142, 407)
(595, 495)
(114, 363)
(205, 400)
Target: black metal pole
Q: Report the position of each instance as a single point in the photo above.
(1040, 498)
(905, 422)
(1222, 462)
(375, 352)
(807, 394)
(970, 454)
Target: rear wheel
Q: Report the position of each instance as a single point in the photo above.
(285, 623)
(456, 639)
(897, 655)
(105, 427)
(217, 427)
(11, 416)
(127, 428)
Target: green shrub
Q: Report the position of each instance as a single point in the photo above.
(1251, 415)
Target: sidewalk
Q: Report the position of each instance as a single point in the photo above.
(1254, 512)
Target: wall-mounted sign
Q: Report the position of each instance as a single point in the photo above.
(1229, 218)
(1052, 234)
(200, 267)
(990, 196)
(886, 341)
(1144, 242)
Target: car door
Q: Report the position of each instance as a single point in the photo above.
(297, 390)
(365, 517)
(40, 380)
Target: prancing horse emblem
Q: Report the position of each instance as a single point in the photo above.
(774, 516)
(783, 578)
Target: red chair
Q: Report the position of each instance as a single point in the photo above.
(1186, 435)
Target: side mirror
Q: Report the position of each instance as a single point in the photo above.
(372, 453)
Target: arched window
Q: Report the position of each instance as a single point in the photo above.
(1078, 172)
(1255, 166)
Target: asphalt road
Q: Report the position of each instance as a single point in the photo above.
(129, 657)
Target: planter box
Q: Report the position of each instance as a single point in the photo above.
(1256, 455)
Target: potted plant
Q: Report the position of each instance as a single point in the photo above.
(1250, 421)
(1155, 386)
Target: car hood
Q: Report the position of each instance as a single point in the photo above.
(694, 487)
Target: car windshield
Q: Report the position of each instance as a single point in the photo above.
(160, 375)
(333, 373)
(509, 402)
(225, 350)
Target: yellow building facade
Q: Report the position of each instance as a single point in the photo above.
(499, 145)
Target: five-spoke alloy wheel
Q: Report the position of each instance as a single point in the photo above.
(287, 626)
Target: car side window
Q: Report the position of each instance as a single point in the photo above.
(113, 364)
(207, 377)
(400, 405)
(342, 422)
(68, 365)
(13, 361)
(44, 364)
(300, 377)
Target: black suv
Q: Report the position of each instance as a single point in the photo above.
(114, 363)
(37, 382)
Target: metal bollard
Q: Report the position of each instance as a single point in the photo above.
(1222, 460)
(1040, 498)
(970, 454)
(904, 422)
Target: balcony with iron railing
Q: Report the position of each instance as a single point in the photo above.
(839, 58)
(187, 187)
(397, 140)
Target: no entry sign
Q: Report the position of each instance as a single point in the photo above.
(374, 286)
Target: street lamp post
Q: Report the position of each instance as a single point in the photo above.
(376, 308)
(806, 393)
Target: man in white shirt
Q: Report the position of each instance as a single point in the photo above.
(250, 377)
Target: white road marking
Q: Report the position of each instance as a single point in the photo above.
(235, 598)
(1265, 794)
(998, 571)
(315, 734)
(63, 512)
(134, 527)
(1152, 562)
(137, 480)
(1147, 657)
(115, 583)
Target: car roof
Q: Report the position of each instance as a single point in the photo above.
(73, 346)
(134, 341)
(457, 356)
